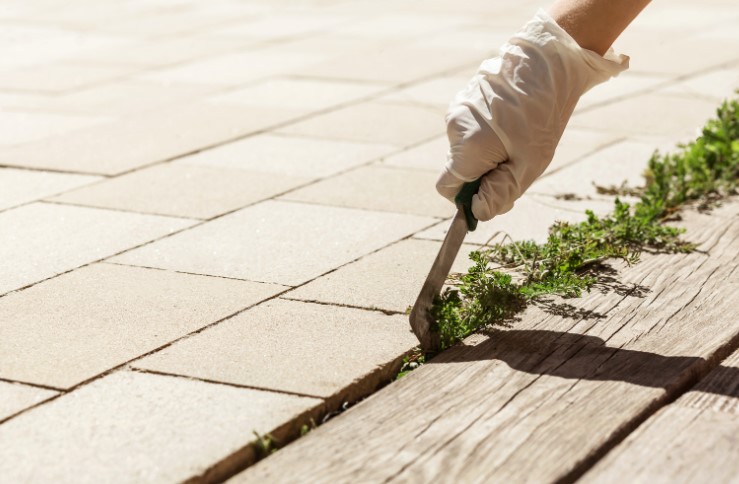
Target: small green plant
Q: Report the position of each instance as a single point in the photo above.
(264, 444)
(505, 277)
(306, 428)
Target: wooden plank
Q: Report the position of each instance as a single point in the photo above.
(545, 399)
(695, 439)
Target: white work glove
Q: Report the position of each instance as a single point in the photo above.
(507, 122)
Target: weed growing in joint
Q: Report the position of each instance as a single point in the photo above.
(704, 170)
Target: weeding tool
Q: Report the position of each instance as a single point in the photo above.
(422, 320)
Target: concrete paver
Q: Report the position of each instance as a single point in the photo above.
(298, 94)
(258, 243)
(51, 239)
(134, 427)
(274, 346)
(677, 117)
(21, 186)
(387, 280)
(289, 155)
(429, 155)
(15, 397)
(232, 69)
(126, 144)
(55, 78)
(377, 187)
(398, 125)
(392, 65)
(71, 328)
(529, 219)
(620, 162)
(181, 190)
(18, 127)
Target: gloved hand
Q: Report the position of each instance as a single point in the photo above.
(505, 125)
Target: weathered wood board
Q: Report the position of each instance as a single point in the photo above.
(695, 439)
(545, 399)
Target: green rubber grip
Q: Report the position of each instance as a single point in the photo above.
(463, 200)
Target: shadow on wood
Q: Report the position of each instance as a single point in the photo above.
(582, 357)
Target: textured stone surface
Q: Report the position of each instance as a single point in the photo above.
(399, 125)
(651, 114)
(182, 190)
(18, 127)
(21, 186)
(429, 155)
(283, 242)
(575, 144)
(15, 397)
(389, 279)
(59, 77)
(80, 324)
(402, 64)
(611, 166)
(378, 188)
(232, 69)
(298, 94)
(135, 427)
(142, 139)
(529, 218)
(274, 346)
(290, 155)
(50, 239)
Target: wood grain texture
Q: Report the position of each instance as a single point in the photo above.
(695, 439)
(544, 400)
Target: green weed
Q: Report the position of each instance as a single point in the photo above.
(505, 277)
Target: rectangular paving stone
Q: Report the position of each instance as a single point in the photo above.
(54, 78)
(18, 127)
(134, 427)
(575, 144)
(232, 69)
(142, 139)
(394, 124)
(429, 155)
(437, 92)
(312, 349)
(22, 186)
(717, 85)
(273, 241)
(529, 219)
(611, 166)
(675, 54)
(71, 328)
(377, 187)
(15, 397)
(281, 25)
(623, 86)
(392, 65)
(291, 156)
(181, 190)
(126, 97)
(46, 239)
(389, 279)
(298, 94)
(649, 114)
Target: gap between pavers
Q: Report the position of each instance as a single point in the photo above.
(15, 397)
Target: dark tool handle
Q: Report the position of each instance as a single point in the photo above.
(463, 200)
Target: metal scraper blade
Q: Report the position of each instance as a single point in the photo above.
(422, 321)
